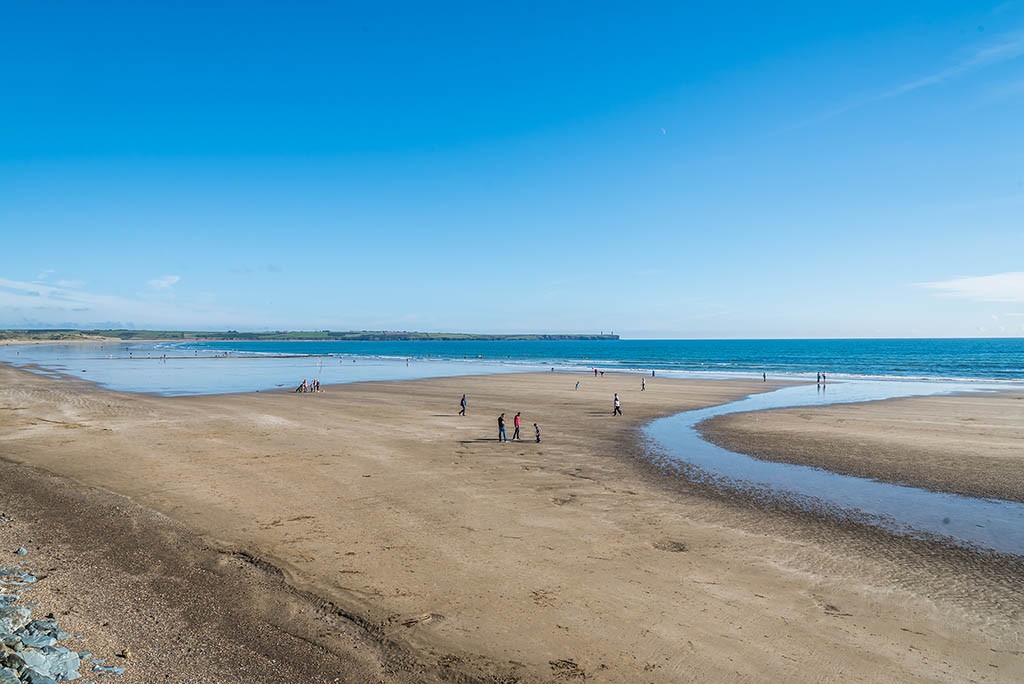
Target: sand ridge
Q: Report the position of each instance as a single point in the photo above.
(968, 445)
(521, 562)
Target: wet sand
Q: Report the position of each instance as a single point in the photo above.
(971, 445)
(405, 544)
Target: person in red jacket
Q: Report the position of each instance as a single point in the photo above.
(515, 422)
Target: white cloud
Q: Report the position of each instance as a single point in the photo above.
(31, 303)
(164, 283)
(998, 287)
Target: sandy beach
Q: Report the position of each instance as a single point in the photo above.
(369, 533)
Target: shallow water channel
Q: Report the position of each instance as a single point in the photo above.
(987, 524)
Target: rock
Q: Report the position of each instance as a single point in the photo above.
(13, 618)
(31, 653)
(21, 551)
(53, 661)
(38, 640)
(112, 669)
(33, 677)
(126, 654)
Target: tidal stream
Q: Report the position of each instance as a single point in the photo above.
(986, 524)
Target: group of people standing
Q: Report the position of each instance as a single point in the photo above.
(502, 435)
(312, 386)
(516, 422)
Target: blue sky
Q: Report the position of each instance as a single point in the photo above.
(654, 169)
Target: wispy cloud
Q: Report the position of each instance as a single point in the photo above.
(1010, 46)
(22, 302)
(998, 287)
(164, 282)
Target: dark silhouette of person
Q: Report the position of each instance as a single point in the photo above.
(501, 428)
(462, 403)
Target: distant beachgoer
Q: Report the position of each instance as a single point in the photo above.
(652, 374)
(602, 374)
(595, 372)
(819, 378)
(577, 385)
(823, 381)
(643, 384)
(617, 410)
(515, 422)
(536, 429)
(462, 403)
(301, 387)
(764, 377)
(501, 428)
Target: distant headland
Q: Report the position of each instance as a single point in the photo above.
(74, 335)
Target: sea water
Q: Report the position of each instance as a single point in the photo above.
(175, 368)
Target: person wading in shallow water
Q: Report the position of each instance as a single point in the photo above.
(617, 410)
(501, 428)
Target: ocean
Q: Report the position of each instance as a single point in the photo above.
(206, 367)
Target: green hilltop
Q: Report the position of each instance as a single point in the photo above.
(72, 335)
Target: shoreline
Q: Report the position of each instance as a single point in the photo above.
(412, 523)
(925, 442)
(687, 366)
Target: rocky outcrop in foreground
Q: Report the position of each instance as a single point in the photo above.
(31, 651)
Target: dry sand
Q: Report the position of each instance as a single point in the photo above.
(970, 445)
(402, 543)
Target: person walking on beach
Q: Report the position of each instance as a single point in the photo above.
(577, 385)
(462, 403)
(501, 428)
(515, 423)
(643, 384)
(617, 407)
(595, 372)
(819, 378)
(536, 429)
(764, 377)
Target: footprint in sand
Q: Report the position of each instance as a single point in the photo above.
(424, 619)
